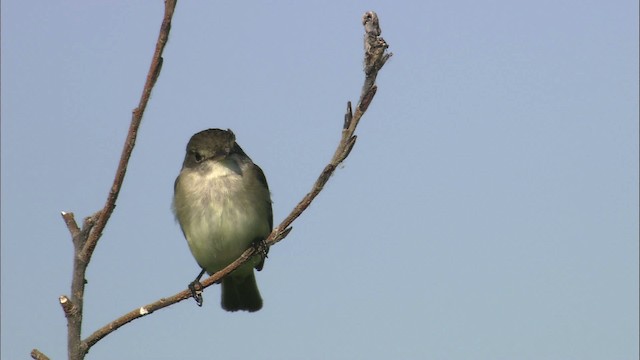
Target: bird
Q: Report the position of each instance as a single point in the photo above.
(223, 205)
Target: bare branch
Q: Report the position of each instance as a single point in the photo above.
(152, 77)
(347, 142)
(86, 238)
(135, 314)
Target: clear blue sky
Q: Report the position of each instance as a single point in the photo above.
(488, 211)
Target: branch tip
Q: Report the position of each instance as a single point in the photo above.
(70, 221)
(371, 23)
(37, 355)
(348, 117)
(68, 306)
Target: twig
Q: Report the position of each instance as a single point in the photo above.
(375, 58)
(136, 119)
(86, 238)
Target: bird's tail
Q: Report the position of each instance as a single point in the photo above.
(240, 292)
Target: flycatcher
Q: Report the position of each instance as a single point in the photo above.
(222, 202)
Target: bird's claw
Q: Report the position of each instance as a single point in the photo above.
(196, 292)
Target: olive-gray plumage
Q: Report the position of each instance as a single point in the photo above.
(222, 202)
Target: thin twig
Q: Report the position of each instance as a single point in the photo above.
(86, 238)
(374, 60)
(136, 119)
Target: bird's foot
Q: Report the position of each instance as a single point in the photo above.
(196, 291)
(262, 249)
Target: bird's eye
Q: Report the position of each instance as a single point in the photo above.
(198, 157)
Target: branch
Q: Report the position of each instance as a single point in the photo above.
(375, 58)
(136, 119)
(86, 238)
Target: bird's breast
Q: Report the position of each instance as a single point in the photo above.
(221, 213)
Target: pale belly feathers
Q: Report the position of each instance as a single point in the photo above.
(218, 215)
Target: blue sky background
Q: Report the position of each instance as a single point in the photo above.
(488, 211)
